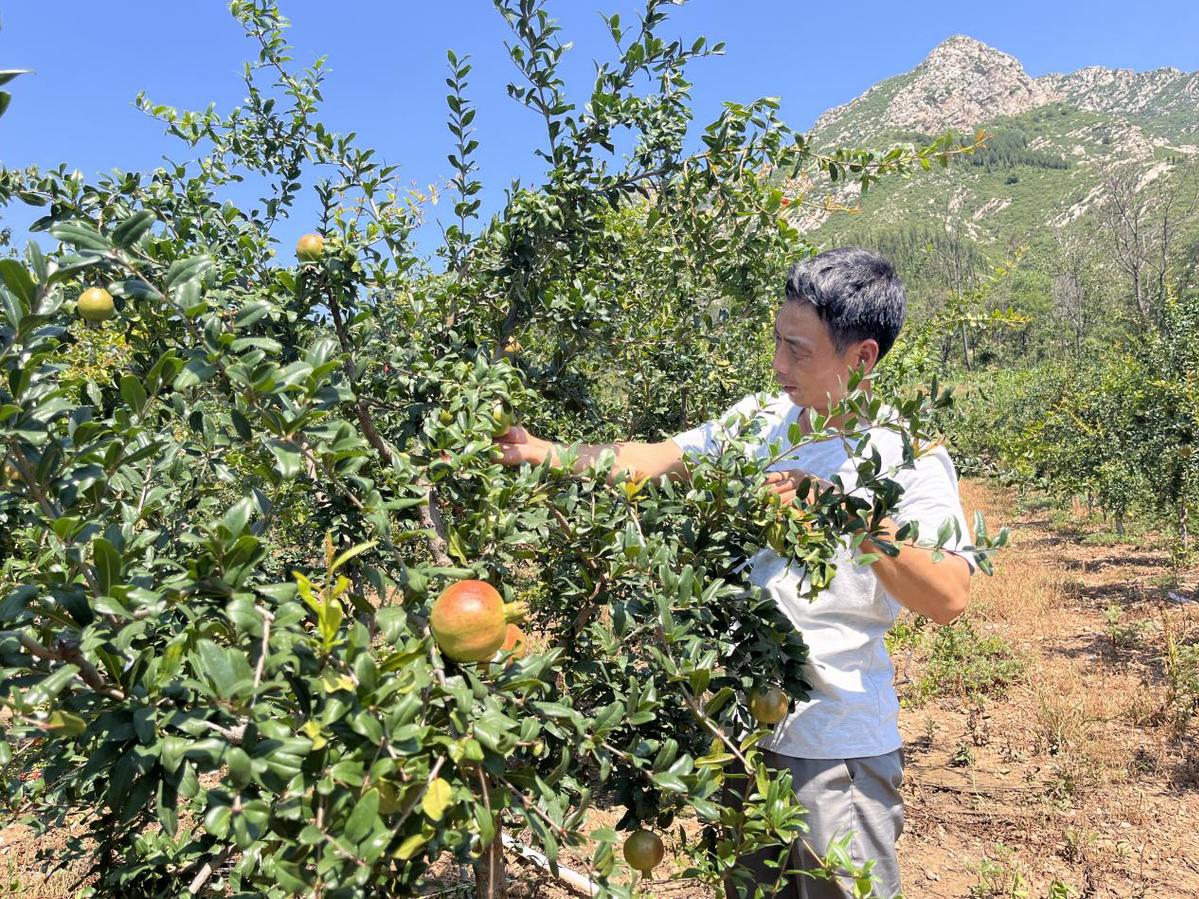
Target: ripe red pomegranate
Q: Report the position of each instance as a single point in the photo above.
(470, 620)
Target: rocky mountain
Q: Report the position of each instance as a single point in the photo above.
(1165, 99)
(962, 83)
(1053, 142)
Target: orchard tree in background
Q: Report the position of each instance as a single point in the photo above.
(228, 507)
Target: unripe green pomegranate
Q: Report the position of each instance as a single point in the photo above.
(501, 418)
(95, 305)
(768, 706)
(643, 850)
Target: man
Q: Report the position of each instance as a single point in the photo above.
(842, 311)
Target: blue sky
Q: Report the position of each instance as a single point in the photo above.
(388, 65)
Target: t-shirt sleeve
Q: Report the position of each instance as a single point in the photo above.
(706, 439)
(930, 498)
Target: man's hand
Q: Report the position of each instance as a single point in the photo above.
(785, 484)
(517, 446)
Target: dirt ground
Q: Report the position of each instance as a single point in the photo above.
(1075, 774)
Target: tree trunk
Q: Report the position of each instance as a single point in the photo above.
(491, 879)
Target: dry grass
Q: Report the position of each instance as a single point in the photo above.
(1079, 779)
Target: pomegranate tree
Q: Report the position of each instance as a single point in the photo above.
(244, 629)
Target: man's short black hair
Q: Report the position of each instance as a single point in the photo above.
(856, 294)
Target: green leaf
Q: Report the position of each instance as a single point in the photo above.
(184, 270)
(411, 846)
(241, 424)
(172, 751)
(196, 371)
(351, 553)
(669, 782)
(80, 235)
(240, 771)
(266, 344)
(214, 662)
(17, 279)
(362, 819)
(108, 564)
(216, 821)
(373, 848)
(250, 313)
(133, 393)
(438, 798)
(289, 462)
(48, 688)
(7, 75)
(454, 544)
(37, 261)
(131, 230)
(138, 289)
(190, 299)
(65, 724)
(329, 618)
(166, 807)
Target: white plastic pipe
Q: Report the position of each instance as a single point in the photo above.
(580, 882)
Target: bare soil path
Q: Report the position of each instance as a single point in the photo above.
(1085, 771)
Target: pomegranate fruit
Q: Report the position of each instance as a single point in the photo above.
(310, 248)
(643, 850)
(501, 418)
(95, 305)
(469, 620)
(768, 706)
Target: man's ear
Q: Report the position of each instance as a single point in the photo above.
(866, 355)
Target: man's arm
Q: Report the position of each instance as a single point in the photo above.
(643, 460)
(937, 590)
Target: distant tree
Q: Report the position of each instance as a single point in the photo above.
(1143, 223)
(957, 263)
(1076, 280)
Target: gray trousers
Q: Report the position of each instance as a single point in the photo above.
(859, 796)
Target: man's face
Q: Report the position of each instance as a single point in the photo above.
(806, 362)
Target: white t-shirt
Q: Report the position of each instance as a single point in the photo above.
(852, 711)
